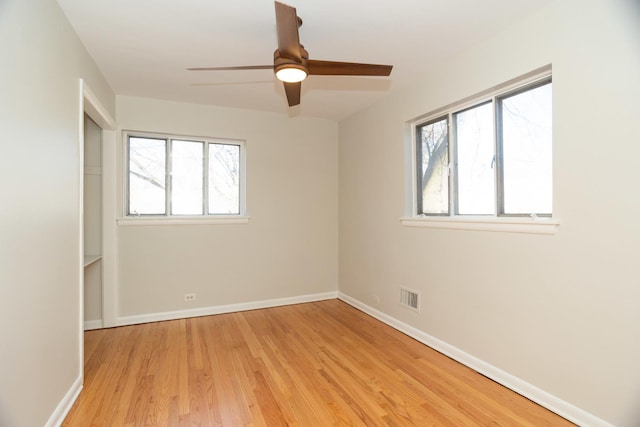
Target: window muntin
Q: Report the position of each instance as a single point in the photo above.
(174, 176)
(501, 156)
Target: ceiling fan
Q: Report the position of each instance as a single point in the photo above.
(291, 62)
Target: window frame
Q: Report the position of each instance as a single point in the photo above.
(128, 218)
(453, 154)
(499, 150)
(536, 223)
(418, 160)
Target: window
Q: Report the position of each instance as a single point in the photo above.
(170, 176)
(433, 167)
(489, 157)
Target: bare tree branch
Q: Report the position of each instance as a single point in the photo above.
(148, 177)
(436, 155)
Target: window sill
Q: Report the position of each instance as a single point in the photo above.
(186, 220)
(498, 224)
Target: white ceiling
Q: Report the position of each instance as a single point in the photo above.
(143, 47)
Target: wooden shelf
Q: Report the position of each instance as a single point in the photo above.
(90, 259)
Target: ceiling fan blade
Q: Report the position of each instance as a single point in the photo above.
(234, 83)
(287, 23)
(241, 67)
(333, 68)
(293, 92)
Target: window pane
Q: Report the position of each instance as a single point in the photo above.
(527, 151)
(224, 179)
(433, 168)
(475, 160)
(187, 181)
(147, 165)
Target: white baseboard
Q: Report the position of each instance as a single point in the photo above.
(92, 324)
(531, 392)
(63, 408)
(221, 309)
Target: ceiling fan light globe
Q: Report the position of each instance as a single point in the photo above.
(291, 74)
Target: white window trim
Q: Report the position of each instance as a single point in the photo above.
(167, 219)
(507, 224)
(547, 226)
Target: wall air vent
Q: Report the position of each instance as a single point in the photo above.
(410, 299)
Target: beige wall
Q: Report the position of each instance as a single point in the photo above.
(288, 248)
(42, 60)
(560, 312)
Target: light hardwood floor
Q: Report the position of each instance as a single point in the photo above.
(316, 364)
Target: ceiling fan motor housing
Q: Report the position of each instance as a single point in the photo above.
(280, 62)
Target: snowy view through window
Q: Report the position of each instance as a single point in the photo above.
(168, 176)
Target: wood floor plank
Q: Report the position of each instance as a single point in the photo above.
(316, 364)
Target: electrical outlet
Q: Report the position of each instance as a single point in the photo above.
(189, 297)
(376, 298)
